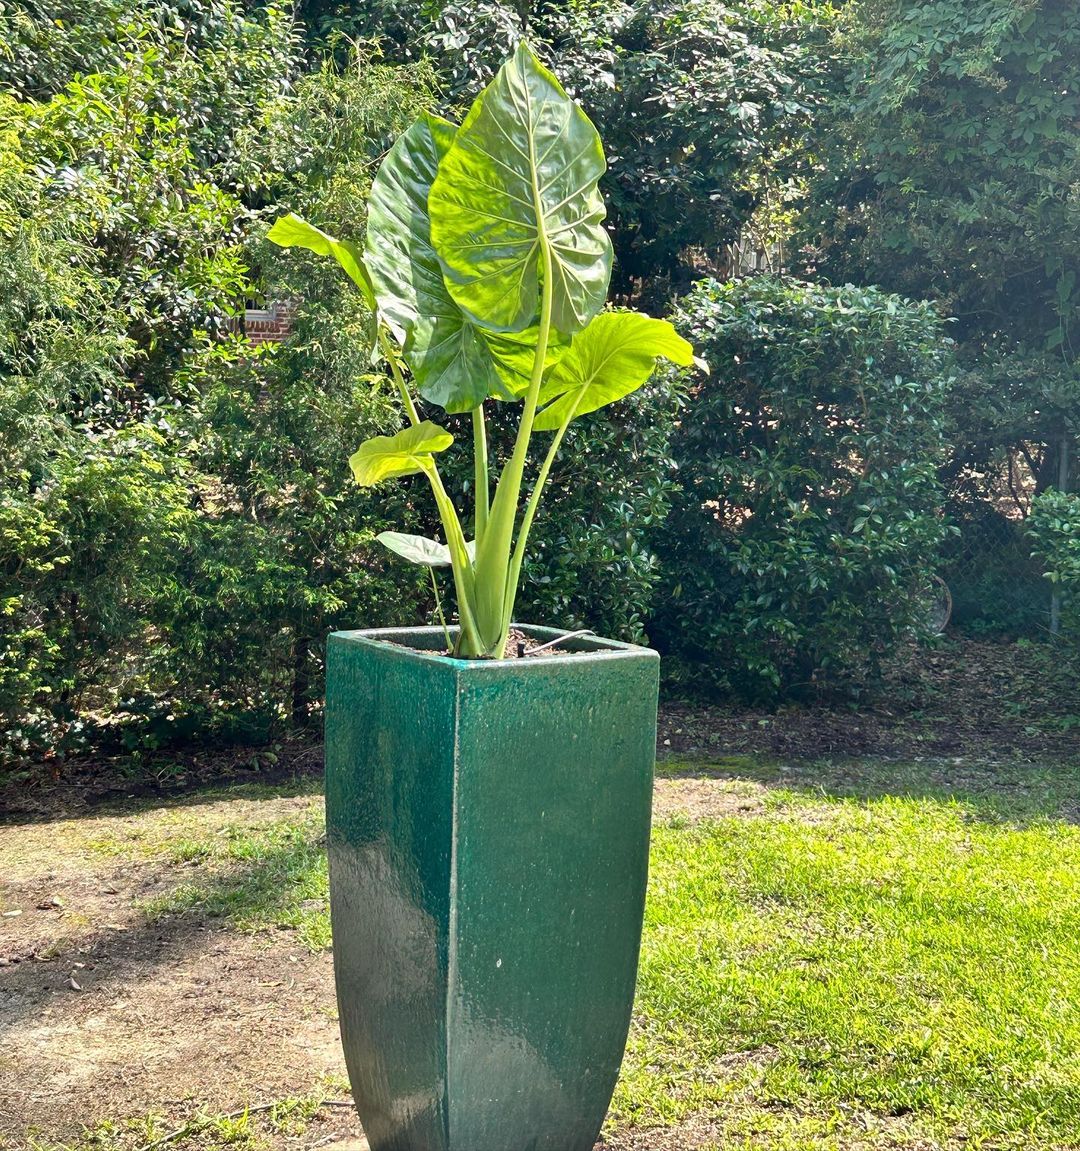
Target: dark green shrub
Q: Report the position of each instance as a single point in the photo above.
(1054, 530)
(807, 523)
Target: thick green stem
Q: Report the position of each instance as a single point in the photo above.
(469, 642)
(514, 573)
(493, 556)
(480, 471)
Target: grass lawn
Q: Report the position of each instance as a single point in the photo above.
(900, 968)
(859, 956)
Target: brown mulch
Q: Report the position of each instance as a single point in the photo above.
(966, 698)
(1001, 701)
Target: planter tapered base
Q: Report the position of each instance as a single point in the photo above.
(488, 830)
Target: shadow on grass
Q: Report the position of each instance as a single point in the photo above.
(138, 797)
(1006, 792)
(282, 885)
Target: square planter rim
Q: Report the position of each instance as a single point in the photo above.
(585, 649)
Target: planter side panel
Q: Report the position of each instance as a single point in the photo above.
(553, 814)
(389, 799)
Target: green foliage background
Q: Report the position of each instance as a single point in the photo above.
(806, 528)
(177, 526)
(950, 170)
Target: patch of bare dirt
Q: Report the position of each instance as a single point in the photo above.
(91, 785)
(704, 796)
(106, 1013)
(149, 1019)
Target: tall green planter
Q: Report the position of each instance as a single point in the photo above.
(488, 834)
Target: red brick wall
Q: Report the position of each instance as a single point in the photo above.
(272, 325)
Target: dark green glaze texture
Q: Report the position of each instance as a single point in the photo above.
(488, 833)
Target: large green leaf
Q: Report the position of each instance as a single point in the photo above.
(421, 550)
(521, 171)
(292, 232)
(456, 365)
(404, 454)
(613, 357)
(514, 354)
(404, 267)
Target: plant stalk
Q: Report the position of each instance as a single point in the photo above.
(530, 510)
(464, 576)
(493, 557)
(439, 610)
(461, 565)
(399, 379)
(480, 471)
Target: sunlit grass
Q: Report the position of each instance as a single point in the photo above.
(904, 962)
(875, 956)
(258, 877)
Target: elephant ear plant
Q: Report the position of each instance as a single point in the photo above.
(486, 268)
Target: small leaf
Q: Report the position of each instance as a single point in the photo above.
(421, 550)
(613, 357)
(404, 454)
(292, 232)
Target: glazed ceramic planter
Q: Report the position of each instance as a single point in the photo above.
(488, 834)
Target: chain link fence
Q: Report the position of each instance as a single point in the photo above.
(998, 588)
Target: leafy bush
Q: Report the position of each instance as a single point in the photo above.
(177, 526)
(949, 171)
(1054, 527)
(807, 524)
(83, 555)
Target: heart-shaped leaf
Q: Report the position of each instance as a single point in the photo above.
(292, 232)
(403, 454)
(421, 550)
(522, 174)
(611, 358)
(456, 364)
